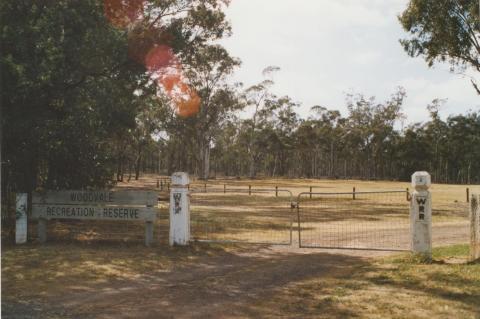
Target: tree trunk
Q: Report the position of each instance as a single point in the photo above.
(204, 161)
(138, 162)
(252, 171)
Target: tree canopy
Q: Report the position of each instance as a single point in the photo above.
(444, 30)
(99, 91)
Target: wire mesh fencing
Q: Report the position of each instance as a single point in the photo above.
(242, 215)
(360, 220)
(450, 223)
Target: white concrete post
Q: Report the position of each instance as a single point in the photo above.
(21, 219)
(421, 215)
(179, 210)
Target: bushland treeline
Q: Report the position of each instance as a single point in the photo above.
(368, 143)
(80, 108)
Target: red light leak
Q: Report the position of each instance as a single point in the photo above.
(150, 49)
(122, 13)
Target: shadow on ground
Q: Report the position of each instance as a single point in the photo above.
(111, 280)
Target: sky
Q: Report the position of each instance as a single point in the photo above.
(327, 48)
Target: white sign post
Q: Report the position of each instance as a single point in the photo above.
(421, 215)
(21, 219)
(179, 210)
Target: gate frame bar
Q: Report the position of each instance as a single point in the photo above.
(251, 192)
(343, 193)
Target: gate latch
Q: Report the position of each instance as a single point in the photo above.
(293, 205)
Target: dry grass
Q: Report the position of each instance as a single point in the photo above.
(34, 270)
(232, 281)
(447, 198)
(392, 287)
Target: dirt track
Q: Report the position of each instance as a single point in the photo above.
(215, 283)
(226, 285)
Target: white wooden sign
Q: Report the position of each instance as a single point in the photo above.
(96, 205)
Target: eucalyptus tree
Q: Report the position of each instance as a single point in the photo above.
(208, 71)
(370, 127)
(444, 30)
(255, 96)
(64, 79)
(70, 77)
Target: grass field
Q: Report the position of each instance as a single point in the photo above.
(328, 220)
(119, 278)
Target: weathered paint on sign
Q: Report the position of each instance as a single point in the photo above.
(148, 198)
(94, 212)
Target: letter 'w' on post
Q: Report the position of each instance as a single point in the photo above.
(179, 210)
(421, 215)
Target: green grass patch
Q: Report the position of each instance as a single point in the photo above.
(451, 251)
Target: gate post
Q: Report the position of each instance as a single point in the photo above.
(179, 210)
(42, 230)
(475, 227)
(421, 215)
(21, 218)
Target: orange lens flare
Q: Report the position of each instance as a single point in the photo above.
(148, 46)
(160, 57)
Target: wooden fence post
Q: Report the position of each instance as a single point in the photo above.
(354, 193)
(249, 189)
(158, 183)
(224, 188)
(148, 233)
(468, 195)
(475, 227)
(276, 191)
(42, 230)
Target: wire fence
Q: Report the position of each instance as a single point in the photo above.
(242, 215)
(361, 220)
(450, 223)
(233, 213)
